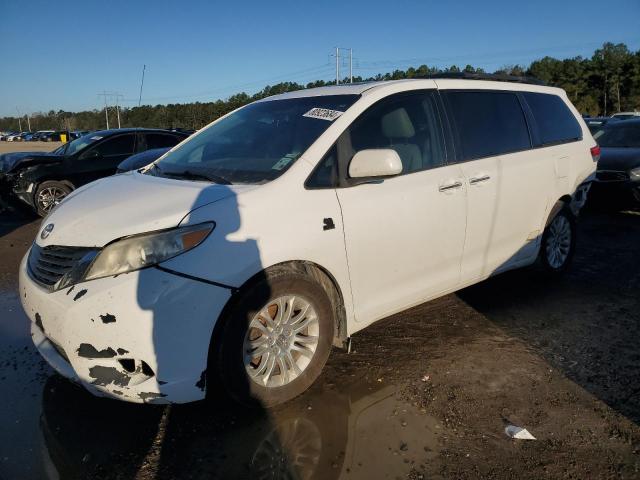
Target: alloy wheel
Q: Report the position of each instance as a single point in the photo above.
(50, 197)
(281, 340)
(558, 244)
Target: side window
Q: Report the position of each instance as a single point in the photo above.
(159, 140)
(554, 120)
(325, 174)
(488, 123)
(407, 123)
(120, 145)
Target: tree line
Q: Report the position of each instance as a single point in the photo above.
(605, 83)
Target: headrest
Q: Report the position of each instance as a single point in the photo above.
(397, 124)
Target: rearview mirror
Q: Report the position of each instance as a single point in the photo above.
(381, 162)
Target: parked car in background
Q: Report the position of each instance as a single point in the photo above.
(14, 136)
(5, 135)
(41, 180)
(618, 174)
(51, 137)
(22, 137)
(78, 133)
(28, 136)
(142, 159)
(38, 135)
(597, 123)
(625, 115)
(236, 260)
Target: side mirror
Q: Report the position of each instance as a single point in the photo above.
(381, 162)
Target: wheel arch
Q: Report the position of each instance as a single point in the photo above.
(563, 202)
(318, 273)
(42, 180)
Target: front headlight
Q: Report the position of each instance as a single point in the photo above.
(634, 174)
(145, 250)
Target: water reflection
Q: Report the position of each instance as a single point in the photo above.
(364, 431)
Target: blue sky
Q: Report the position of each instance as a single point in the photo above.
(59, 55)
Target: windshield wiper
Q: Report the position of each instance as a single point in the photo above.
(189, 175)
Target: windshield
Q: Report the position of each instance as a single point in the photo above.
(76, 145)
(619, 136)
(257, 143)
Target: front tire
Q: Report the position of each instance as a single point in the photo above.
(275, 341)
(558, 243)
(48, 195)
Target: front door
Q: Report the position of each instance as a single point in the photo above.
(404, 236)
(102, 159)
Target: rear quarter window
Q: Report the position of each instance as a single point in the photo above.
(488, 123)
(161, 140)
(554, 121)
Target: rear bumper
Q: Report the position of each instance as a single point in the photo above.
(141, 337)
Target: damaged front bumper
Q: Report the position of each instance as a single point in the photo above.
(141, 337)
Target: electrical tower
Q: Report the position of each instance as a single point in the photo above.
(337, 55)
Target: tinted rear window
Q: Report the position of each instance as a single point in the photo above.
(488, 123)
(626, 135)
(555, 122)
(160, 140)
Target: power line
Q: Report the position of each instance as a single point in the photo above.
(390, 63)
(235, 86)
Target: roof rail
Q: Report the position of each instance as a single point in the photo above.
(496, 77)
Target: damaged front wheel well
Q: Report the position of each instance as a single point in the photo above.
(319, 274)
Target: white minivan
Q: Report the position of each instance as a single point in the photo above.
(236, 260)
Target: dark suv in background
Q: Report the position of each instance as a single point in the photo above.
(42, 180)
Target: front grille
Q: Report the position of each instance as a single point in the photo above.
(612, 176)
(49, 264)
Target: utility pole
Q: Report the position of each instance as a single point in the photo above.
(337, 65)
(19, 120)
(144, 67)
(29, 122)
(351, 65)
(106, 112)
(118, 95)
(337, 55)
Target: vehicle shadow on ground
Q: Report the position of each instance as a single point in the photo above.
(595, 343)
(11, 220)
(311, 437)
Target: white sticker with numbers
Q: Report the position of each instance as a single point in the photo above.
(323, 114)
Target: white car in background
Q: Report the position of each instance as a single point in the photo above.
(625, 115)
(14, 137)
(236, 260)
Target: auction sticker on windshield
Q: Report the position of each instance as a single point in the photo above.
(323, 114)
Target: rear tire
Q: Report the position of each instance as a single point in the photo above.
(275, 341)
(558, 243)
(48, 195)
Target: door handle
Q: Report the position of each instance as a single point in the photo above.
(450, 186)
(483, 178)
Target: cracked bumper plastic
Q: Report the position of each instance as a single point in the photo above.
(91, 332)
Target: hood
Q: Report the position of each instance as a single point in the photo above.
(127, 204)
(618, 158)
(11, 161)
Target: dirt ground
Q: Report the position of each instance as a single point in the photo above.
(28, 146)
(426, 393)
